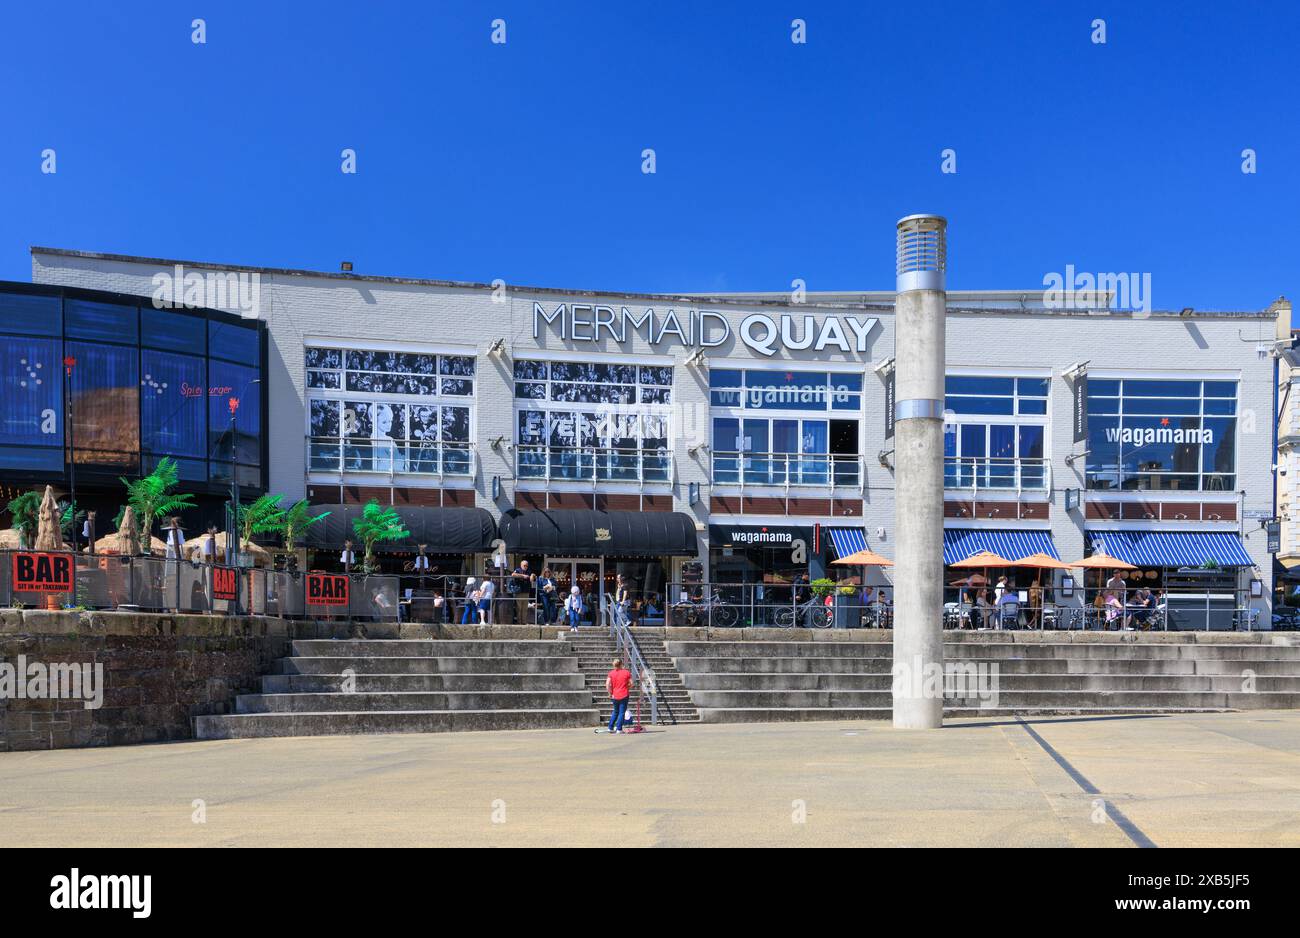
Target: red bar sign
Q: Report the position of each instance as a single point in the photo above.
(224, 585)
(327, 589)
(42, 573)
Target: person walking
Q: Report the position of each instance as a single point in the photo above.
(573, 608)
(622, 600)
(469, 614)
(618, 684)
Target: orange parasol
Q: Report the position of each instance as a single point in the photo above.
(865, 558)
(985, 559)
(1041, 561)
(1103, 561)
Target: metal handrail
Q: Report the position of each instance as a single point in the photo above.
(823, 470)
(395, 457)
(593, 463)
(980, 469)
(625, 646)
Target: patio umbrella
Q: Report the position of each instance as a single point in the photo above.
(49, 532)
(1103, 561)
(1041, 561)
(865, 558)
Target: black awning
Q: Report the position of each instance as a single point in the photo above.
(589, 533)
(444, 530)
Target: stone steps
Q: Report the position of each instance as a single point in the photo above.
(594, 650)
(795, 715)
(257, 725)
(432, 683)
(335, 687)
(1019, 682)
(746, 681)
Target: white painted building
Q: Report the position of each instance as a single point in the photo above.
(761, 420)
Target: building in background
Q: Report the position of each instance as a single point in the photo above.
(145, 383)
(745, 438)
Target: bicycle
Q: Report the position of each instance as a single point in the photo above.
(712, 611)
(815, 612)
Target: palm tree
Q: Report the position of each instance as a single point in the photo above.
(25, 511)
(263, 516)
(296, 520)
(377, 524)
(152, 496)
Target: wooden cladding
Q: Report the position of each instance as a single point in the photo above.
(1160, 511)
(526, 500)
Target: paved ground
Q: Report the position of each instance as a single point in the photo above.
(1227, 779)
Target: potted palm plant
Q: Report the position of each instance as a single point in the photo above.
(153, 497)
(377, 523)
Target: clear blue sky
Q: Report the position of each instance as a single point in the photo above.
(774, 160)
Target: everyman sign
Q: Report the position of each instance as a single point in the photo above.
(42, 573)
(327, 589)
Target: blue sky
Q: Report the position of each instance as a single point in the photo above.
(775, 160)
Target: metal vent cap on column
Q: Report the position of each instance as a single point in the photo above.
(922, 252)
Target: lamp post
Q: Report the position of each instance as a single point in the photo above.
(920, 307)
(68, 364)
(232, 529)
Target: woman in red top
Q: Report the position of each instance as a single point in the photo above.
(618, 684)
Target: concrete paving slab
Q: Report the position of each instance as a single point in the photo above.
(1181, 780)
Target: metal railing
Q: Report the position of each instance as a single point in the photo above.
(626, 648)
(160, 584)
(393, 457)
(1003, 474)
(1214, 608)
(826, 470)
(593, 463)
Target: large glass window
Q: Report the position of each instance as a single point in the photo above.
(374, 410)
(228, 381)
(604, 421)
(236, 343)
(101, 322)
(1161, 434)
(994, 431)
(593, 382)
(28, 314)
(165, 329)
(780, 444)
(106, 404)
(172, 391)
(785, 390)
(31, 420)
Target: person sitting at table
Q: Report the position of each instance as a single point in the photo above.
(983, 608)
(1141, 606)
(1008, 603)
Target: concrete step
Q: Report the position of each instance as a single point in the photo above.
(257, 725)
(957, 650)
(1012, 665)
(414, 700)
(794, 715)
(423, 648)
(410, 664)
(1009, 699)
(451, 682)
(1005, 681)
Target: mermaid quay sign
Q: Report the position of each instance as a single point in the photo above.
(579, 322)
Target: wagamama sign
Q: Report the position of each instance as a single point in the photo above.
(764, 334)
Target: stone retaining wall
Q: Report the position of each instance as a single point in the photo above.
(158, 672)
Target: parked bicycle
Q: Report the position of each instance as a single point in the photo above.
(814, 613)
(709, 612)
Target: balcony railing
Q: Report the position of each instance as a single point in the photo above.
(785, 469)
(593, 464)
(988, 472)
(392, 457)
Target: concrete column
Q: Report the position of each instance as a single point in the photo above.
(919, 313)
